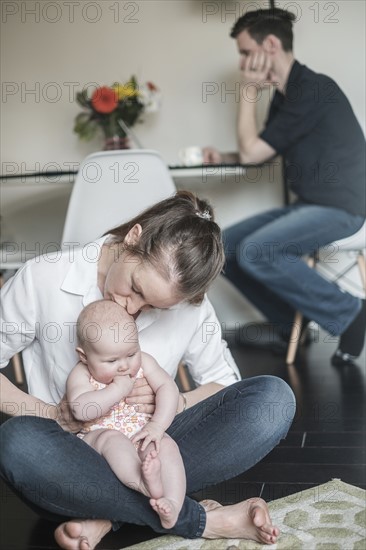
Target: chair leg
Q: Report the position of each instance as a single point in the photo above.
(18, 369)
(296, 327)
(183, 378)
(16, 362)
(294, 339)
(361, 260)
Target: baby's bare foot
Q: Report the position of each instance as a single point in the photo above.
(167, 510)
(151, 478)
(246, 520)
(81, 534)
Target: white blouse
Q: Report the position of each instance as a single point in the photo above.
(40, 306)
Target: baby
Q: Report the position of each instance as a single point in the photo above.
(134, 444)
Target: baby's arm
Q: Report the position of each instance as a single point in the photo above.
(88, 404)
(166, 402)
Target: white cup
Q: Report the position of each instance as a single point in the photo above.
(191, 156)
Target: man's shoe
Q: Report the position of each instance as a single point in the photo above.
(340, 359)
(351, 341)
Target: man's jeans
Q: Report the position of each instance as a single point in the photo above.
(264, 261)
(60, 476)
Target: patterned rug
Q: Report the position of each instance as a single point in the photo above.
(328, 517)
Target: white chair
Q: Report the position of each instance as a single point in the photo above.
(32, 215)
(355, 245)
(15, 360)
(112, 187)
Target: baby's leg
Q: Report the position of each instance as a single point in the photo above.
(174, 483)
(121, 455)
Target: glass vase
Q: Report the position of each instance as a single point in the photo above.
(116, 142)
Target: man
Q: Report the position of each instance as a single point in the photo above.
(312, 125)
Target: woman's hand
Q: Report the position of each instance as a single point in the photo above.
(62, 413)
(142, 397)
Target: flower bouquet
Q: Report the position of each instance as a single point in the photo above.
(108, 106)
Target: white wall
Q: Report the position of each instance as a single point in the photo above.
(184, 47)
(180, 45)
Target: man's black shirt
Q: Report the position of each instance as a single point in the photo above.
(313, 126)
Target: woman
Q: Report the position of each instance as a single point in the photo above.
(158, 266)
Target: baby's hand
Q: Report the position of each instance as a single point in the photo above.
(124, 382)
(152, 432)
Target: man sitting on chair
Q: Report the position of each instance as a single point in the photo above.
(312, 125)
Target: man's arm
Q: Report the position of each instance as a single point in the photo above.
(252, 149)
(213, 156)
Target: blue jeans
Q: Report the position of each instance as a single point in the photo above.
(264, 261)
(61, 477)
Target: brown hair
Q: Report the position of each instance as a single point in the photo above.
(181, 241)
(261, 23)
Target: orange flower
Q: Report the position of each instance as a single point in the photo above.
(104, 100)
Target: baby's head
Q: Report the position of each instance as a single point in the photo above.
(108, 341)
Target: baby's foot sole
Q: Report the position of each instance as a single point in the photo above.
(167, 511)
(151, 475)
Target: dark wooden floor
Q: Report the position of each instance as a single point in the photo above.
(326, 440)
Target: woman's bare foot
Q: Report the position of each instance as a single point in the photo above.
(247, 520)
(166, 510)
(151, 478)
(82, 534)
(209, 504)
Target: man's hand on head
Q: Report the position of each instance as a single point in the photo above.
(255, 69)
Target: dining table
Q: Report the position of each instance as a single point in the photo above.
(34, 204)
